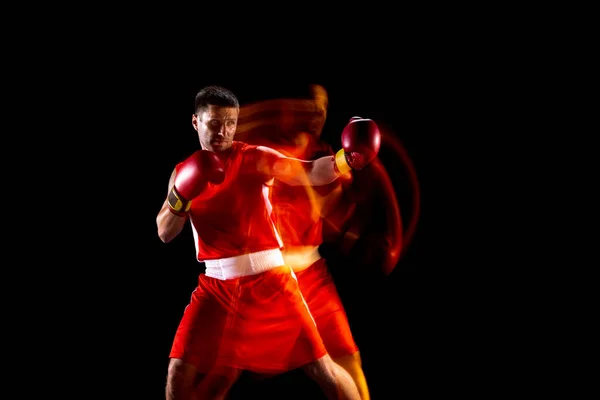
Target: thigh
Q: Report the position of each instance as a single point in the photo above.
(180, 379)
(199, 334)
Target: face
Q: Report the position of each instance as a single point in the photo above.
(216, 127)
(321, 102)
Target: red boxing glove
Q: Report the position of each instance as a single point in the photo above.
(192, 176)
(361, 140)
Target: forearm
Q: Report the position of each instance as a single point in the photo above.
(169, 224)
(323, 171)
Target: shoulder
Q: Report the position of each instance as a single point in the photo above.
(242, 146)
(255, 149)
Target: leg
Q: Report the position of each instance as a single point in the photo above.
(353, 364)
(196, 343)
(325, 304)
(180, 380)
(335, 381)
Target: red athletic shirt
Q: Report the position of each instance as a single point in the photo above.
(233, 218)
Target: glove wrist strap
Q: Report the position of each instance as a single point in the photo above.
(340, 162)
(177, 204)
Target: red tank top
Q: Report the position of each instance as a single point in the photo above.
(233, 218)
(296, 209)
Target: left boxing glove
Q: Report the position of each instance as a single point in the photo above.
(192, 176)
(361, 140)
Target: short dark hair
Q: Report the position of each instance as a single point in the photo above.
(216, 96)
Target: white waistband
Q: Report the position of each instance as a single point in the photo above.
(244, 265)
(299, 258)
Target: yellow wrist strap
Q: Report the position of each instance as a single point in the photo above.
(178, 204)
(341, 163)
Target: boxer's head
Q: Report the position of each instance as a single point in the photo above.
(215, 117)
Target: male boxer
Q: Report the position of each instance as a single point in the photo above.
(247, 312)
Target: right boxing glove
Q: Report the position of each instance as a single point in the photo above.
(192, 176)
(361, 140)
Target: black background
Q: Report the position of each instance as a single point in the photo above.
(107, 99)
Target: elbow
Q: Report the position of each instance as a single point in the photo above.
(168, 225)
(164, 236)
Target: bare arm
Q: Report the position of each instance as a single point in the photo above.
(294, 171)
(169, 225)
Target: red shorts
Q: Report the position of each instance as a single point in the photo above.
(326, 307)
(258, 323)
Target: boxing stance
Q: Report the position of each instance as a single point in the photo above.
(247, 312)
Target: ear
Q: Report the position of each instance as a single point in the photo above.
(195, 122)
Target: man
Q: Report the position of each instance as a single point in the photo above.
(246, 312)
(298, 212)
